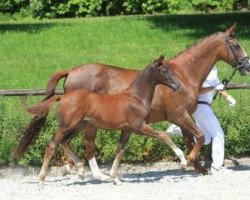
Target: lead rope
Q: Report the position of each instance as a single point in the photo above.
(225, 82)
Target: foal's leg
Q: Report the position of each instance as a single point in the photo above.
(49, 153)
(73, 158)
(89, 144)
(125, 134)
(147, 130)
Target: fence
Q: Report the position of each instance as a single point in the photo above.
(39, 92)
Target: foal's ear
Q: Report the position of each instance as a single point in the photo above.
(160, 59)
(230, 31)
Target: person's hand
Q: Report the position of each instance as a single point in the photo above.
(220, 87)
(231, 101)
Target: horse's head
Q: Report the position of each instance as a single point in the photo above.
(235, 54)
(164, 75)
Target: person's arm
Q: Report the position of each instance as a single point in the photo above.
(223, 93)
(205, 90)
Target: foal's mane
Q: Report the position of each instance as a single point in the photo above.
(140, 75)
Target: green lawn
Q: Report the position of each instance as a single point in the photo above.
(31, 51)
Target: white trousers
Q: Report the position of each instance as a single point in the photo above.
(209, 125)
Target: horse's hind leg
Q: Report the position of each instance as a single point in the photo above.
(119, 152)
(50, 150)
(73, 158)
(89, 144)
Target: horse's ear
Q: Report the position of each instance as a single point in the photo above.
(230, 31)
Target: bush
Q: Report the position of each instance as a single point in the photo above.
(82, 8)
(13, 118)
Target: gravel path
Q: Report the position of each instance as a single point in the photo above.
(162, 180)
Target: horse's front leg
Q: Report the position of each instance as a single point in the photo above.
(190, 144)
(50, 150)
(190, 130)
(89, 144)
(149, 131)
(125, 134)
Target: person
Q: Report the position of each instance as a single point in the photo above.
(207, 122)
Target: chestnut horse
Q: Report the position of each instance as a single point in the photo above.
(127, 110)
(191, 67)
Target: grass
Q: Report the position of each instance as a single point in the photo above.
(32, 50)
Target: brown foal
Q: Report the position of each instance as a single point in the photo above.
(127, 110)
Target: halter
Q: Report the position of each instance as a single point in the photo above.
(238, 65)
(239, 61)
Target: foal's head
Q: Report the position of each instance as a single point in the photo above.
(164, 75)
(233, 53)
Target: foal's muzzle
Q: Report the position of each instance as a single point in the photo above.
(176, 87)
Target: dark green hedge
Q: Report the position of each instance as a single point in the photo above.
(235, 122)
(76, 8)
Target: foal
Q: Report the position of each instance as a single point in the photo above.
(127, 111)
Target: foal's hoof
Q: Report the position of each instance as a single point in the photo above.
(65, 170)
(117, 181)
(102, 177)
(184, 166)
(80, 170)
(41, 180)
(80, 174)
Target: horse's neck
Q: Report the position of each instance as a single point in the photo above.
(196, 63)
(143, 86)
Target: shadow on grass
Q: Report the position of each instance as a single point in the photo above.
(30, 28)
(202, 24)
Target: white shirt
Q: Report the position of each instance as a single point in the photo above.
(211, 81)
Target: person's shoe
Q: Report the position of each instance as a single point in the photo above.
(221, 170)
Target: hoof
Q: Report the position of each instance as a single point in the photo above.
(102, 177)
(117, 181)
(202, 171)
(184, 166)
(80, 174)
(80, 170)
(65, 170)
(41, 180)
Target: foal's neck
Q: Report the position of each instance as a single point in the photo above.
(144, 85)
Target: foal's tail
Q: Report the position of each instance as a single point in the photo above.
(53, 81)
(40, 113)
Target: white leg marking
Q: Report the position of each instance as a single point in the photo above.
(181, 156)
(96, 171)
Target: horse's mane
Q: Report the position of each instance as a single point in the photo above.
(194, 48)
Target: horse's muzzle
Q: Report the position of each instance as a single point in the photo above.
(244, 67)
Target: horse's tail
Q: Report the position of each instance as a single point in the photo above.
(53, 81)
(40, 113)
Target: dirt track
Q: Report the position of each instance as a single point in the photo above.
(160, 180)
